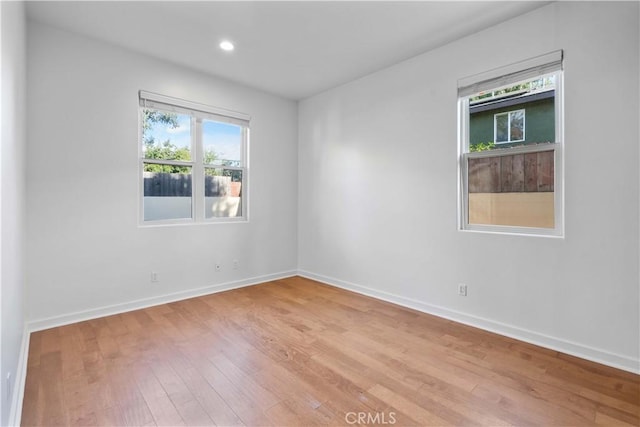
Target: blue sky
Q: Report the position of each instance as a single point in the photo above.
(223, 138)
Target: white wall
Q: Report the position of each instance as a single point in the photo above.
(378, 188)
(85, 250)
(12, 189)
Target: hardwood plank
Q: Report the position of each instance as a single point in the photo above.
(262, 397)
(193, 414)
(606, 420)
(132, 414)
(35, 349)
(32, 406)
(184, 401)
(54, 410)
(157, 400)
(298, 352)
(423, 416)
(50, 340)
(210, 400)
(247, 410)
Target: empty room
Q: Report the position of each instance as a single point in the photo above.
(297, 213)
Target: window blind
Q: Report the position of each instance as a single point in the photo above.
(510, 74)
(177, 105)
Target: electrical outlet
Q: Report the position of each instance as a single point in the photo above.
(218, 267)
(154, 277)
(462, 289)
(236, 264)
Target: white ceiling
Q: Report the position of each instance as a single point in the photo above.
(292, 49)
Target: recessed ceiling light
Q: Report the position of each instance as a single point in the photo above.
(226, 45)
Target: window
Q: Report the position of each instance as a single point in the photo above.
(508, 127)
(193, 162)
(511, 181)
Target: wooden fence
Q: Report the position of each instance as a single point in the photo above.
(514, 173)
(157, 184)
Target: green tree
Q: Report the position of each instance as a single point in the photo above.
(162, 150)
(151, 117)
(166, 150)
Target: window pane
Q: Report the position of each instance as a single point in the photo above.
(512, 190)
(520, 114)
(516, 131)
(223, 192)
(502, 121)
(222, 143)
(167, 192)
(166, 135)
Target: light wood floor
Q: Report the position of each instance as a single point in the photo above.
(295, 352)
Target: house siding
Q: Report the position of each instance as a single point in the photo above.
(539, 122)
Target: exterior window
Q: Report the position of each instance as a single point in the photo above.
(511, 180)
(508, 127)
(193, 162)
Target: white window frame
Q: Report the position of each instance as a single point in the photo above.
(542, 66)
(508, 114)
(198, 113)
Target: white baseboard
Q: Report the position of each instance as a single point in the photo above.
(15, 412)
(66, 319)
(564, 346)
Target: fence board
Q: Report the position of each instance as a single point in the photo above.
(159, 184)
(484, 175)
(512, 179)
(530, 172)
(545, 171)
(216, 186)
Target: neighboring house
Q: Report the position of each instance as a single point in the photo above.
(513, 118)
(513, 189)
